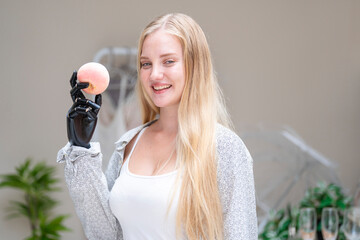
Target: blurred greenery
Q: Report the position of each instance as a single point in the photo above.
(36, 183)
(319, 197)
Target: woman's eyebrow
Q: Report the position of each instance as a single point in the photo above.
(161, 56)
(167, 55)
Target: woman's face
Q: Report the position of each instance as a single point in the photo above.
(162, 71)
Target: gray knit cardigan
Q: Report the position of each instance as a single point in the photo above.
(90, 188)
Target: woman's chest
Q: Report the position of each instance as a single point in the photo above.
(140, 203)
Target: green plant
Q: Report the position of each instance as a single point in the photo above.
(277, 228)
(319, 197)
(36, 182)
(323, 196)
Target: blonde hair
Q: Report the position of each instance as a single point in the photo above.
(201, 106)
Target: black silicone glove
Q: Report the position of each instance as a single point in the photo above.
(82, 116)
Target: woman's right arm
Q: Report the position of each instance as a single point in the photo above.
(86, 182)
(89, 191)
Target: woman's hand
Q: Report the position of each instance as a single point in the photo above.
(82, 116)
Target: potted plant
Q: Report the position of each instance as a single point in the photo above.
(36, 183)
(323, 196)
(284, 221)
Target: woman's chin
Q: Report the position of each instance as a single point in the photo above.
(168, 105)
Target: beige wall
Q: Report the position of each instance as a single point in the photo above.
(279, 62)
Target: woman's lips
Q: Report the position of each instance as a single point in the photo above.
(161, 88)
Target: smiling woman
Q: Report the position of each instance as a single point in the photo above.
(183, 174)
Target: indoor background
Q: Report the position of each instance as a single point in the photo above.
(293, 63)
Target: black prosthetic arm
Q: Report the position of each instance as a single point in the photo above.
(82, 116)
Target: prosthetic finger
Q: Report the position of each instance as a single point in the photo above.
(72, 113)
(86, 102)
(87, 111)
(73, 83)
(75, 92)
(98, 99)
(76, 105)
(73, 79)
(77, 109)
(82, 109)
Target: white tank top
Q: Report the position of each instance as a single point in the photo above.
(140, 203)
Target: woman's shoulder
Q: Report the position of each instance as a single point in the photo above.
(230, 147)
(130, 134)
(227, 137)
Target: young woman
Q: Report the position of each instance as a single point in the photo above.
(183, 174)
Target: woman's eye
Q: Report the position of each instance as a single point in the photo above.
(145, 65)
(169, 61)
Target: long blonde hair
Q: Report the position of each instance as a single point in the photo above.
(201, 106)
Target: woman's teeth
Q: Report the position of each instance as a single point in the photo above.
(161, 87)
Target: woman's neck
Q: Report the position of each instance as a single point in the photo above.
(168, 120)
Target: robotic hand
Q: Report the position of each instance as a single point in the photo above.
(82, 116)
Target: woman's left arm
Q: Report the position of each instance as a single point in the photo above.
(236, 186)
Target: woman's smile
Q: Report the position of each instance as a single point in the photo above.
(160, 88)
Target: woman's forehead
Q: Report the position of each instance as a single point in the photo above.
(161, 43)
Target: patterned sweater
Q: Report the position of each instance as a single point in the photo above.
(90, 188)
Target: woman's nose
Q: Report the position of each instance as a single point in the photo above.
(156, 73)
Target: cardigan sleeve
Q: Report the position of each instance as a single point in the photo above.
(236, 186)
(89, 191)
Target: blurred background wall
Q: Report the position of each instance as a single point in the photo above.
(294, 63)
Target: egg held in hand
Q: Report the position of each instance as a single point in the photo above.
(96, 75)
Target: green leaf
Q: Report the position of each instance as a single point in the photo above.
(50, 228)
(24, 168)
(271, 225)
(326, 202)
(280, 214)
(20, 208)
(284, 224)
(340, 204)
(271, 234)
(14, 181)
(284, 235)
(336, 189)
